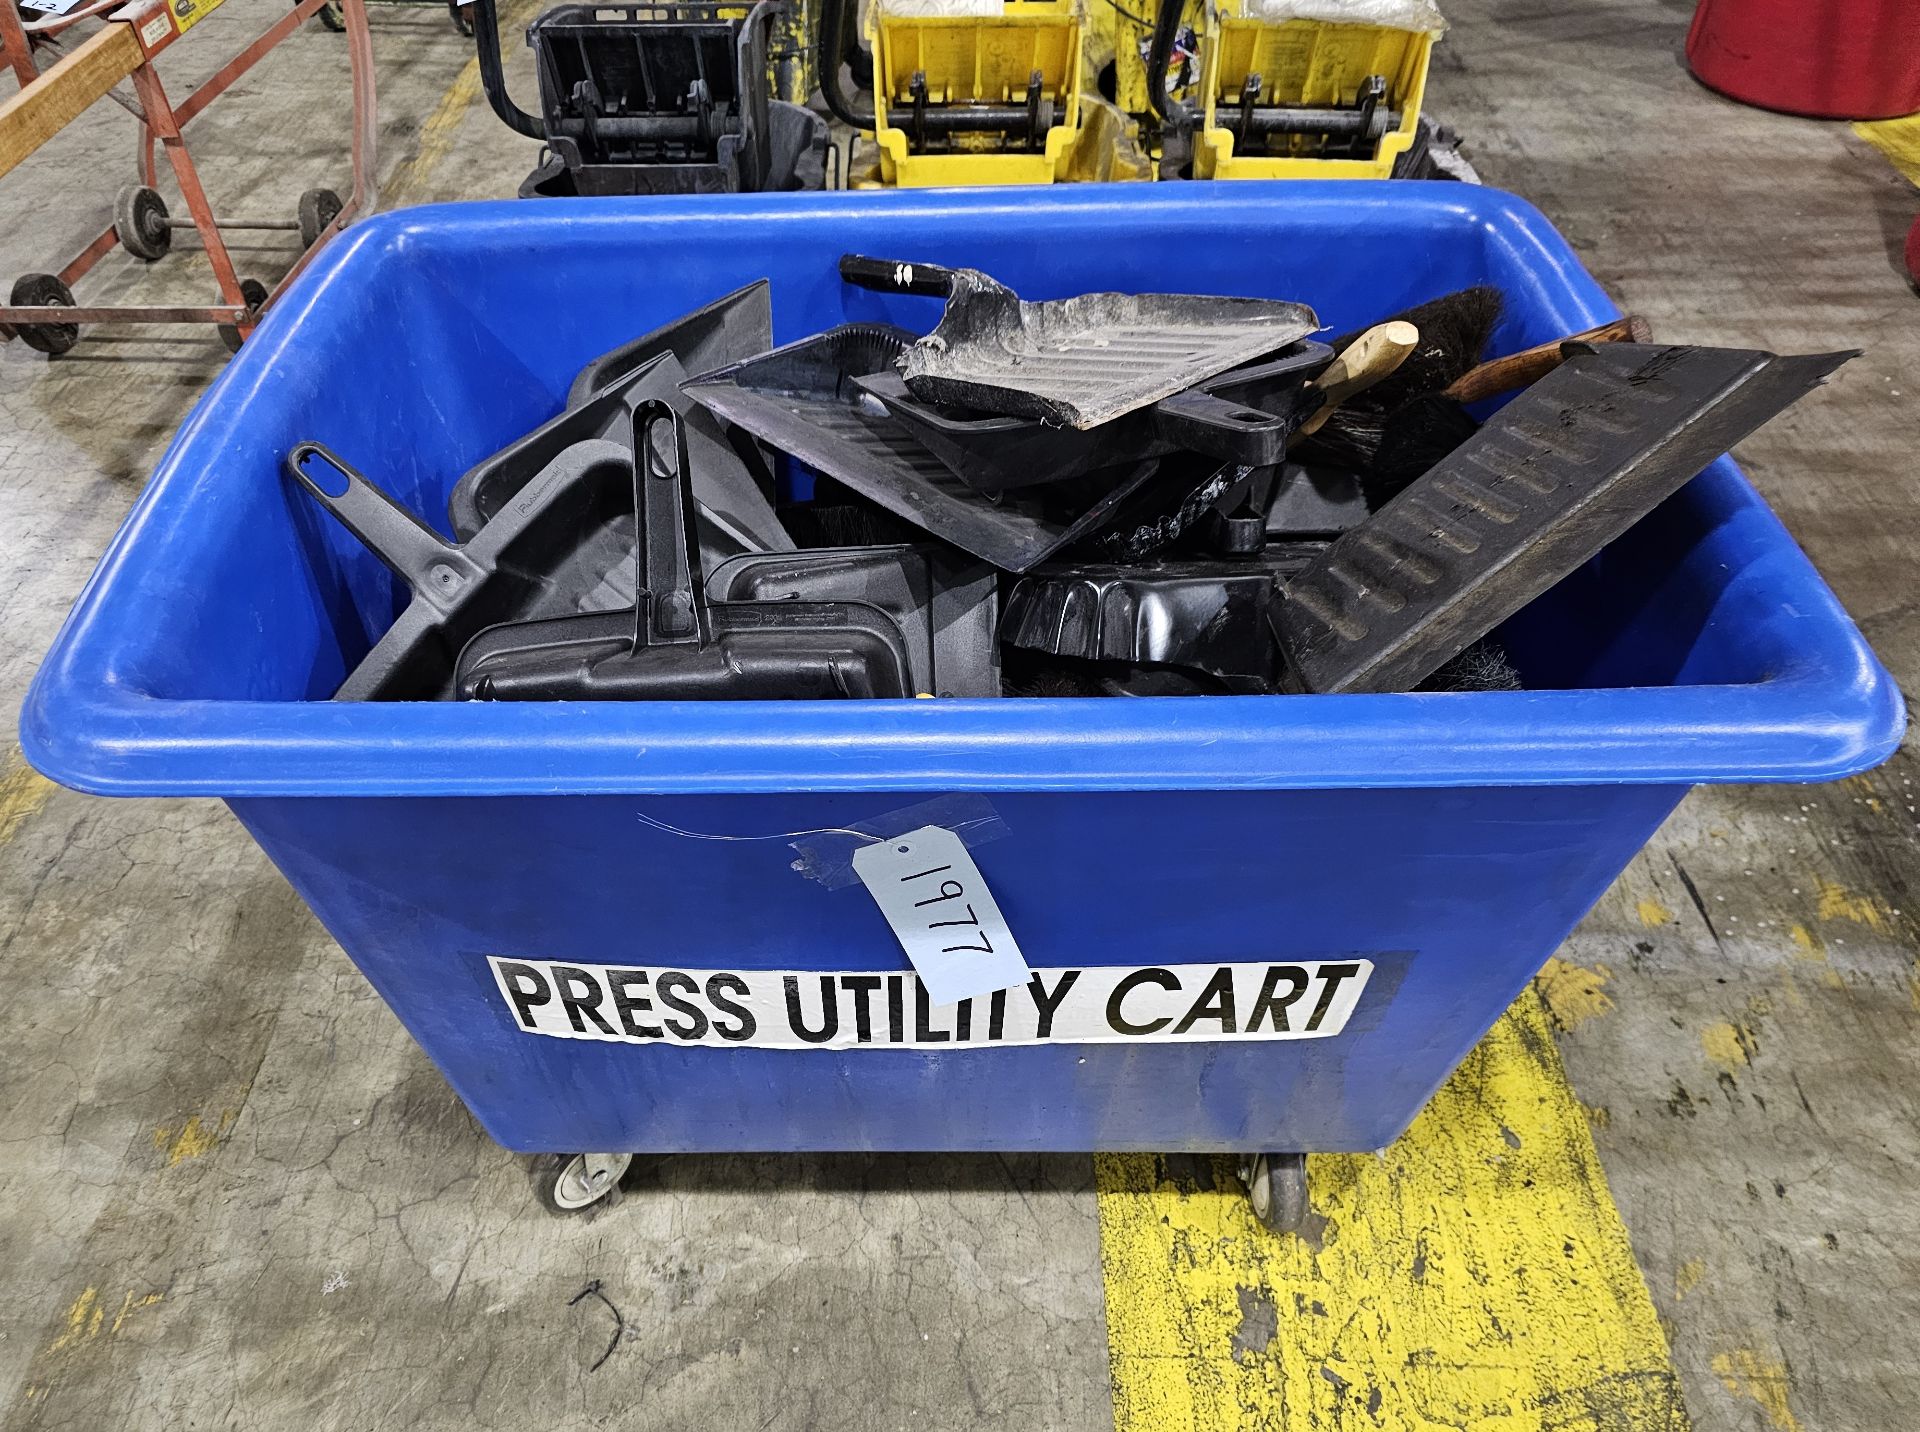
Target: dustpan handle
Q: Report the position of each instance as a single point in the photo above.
(1232, 432)
(892, 276)
(670, 608)
(434, 567)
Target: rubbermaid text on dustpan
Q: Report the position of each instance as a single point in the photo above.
(870, 1009)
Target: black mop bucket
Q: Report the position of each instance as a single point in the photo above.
(667, 98)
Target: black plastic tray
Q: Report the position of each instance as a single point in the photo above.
(803, 400)
(1209, 616)
(1244, 416)
(1549, 480)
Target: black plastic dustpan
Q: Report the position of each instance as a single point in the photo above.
(504, 573)
(729, 329)
(675, 645)
(1077, 362)
(1245, 415)
(734, 513)
(804, 400)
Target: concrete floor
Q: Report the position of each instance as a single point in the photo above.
(235, 1194)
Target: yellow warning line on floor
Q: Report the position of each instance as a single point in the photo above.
(1474, 1275)
(412, 178)
(1898, 139)
(23, 791)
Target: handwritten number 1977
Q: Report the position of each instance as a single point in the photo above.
(950, 890)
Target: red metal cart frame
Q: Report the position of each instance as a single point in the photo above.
(134, 34)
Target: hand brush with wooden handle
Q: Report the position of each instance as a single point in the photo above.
(1454, 332)
(1422, 431)
(1367, 360)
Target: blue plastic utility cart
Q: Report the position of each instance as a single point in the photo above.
(468, 856)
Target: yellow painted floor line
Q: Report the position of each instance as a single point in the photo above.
(1474, 1275)
(411, 178)
(1898, 139)
(23, 791)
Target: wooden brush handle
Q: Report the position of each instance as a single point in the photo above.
(1520, 370)
(1365, 361)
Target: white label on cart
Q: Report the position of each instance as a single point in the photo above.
(873, 1009)
(937, 903)
(156, 29)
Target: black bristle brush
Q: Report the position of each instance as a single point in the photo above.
(1422, 431)
(1484, 666)
(1454, 330)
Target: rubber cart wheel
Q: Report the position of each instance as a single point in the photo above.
(333, 17)
(572, 1183)
(1277, 1190)
(462, 18)
(255, 293)
(140, 219)
(31, 290)
(318, 208)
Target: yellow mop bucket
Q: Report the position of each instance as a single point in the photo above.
(969, 93)
(1310, 98)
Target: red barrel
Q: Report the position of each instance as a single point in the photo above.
(1832, 59)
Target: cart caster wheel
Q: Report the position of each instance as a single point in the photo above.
(318, 208)
(332, 16)
(31, 290)
(140, 219)
(572, 1183)
(462, 18)
(1277, 1190)
(255, 293)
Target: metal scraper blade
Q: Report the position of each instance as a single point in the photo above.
(1552, 478)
